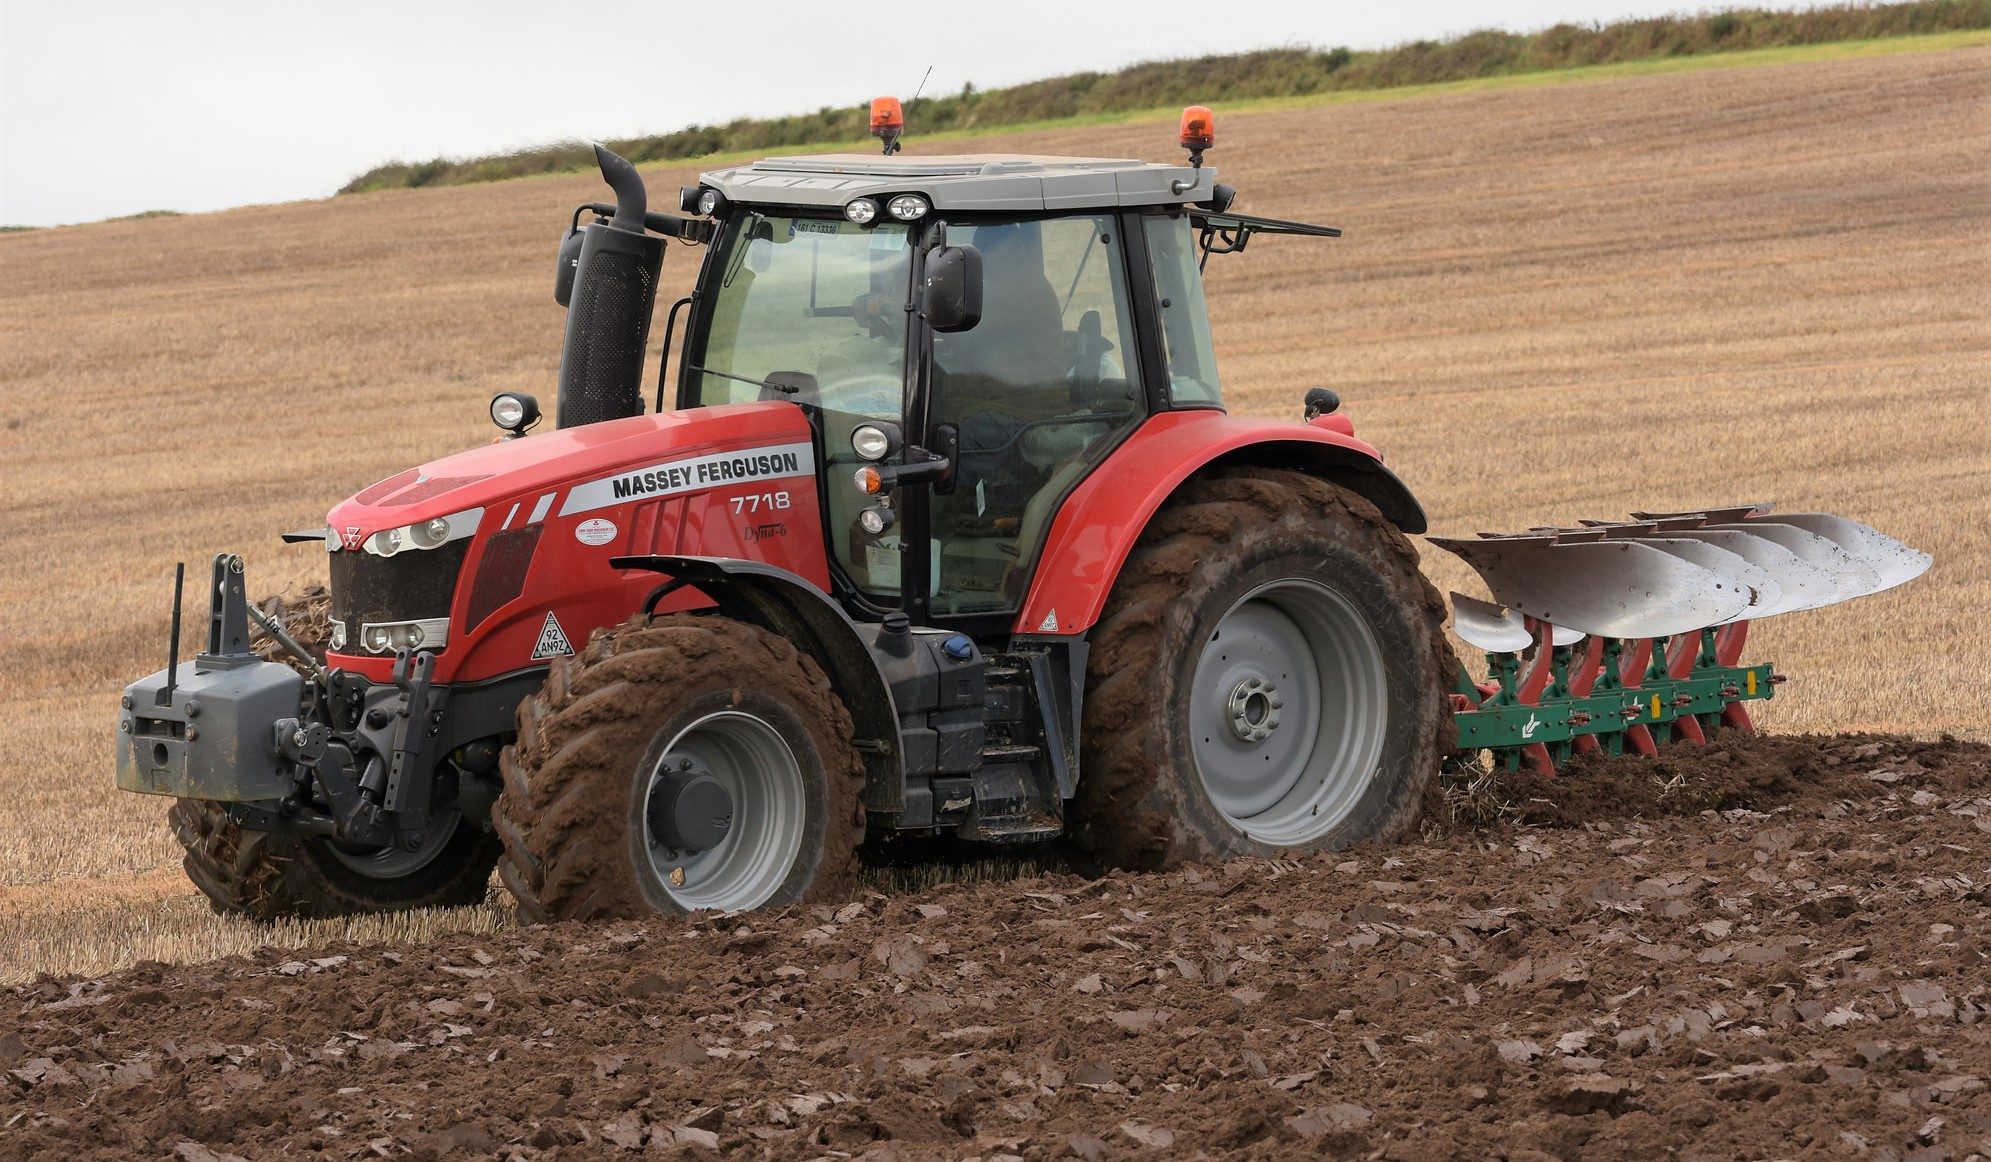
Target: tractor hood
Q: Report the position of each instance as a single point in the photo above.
(560, 471)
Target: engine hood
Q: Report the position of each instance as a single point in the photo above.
(545, 467)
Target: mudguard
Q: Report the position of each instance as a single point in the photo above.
(1099, 522)
(788, 604)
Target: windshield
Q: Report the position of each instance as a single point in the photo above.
(821, 296)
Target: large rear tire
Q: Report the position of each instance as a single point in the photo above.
(1267, 676)
(617, 748)
(268, 877)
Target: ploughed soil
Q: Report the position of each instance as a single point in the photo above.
(1775, 947)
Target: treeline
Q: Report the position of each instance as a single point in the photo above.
(1288, 72)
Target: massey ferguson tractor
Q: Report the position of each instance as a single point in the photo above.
(948, 534)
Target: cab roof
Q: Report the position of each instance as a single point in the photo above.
(979, 182)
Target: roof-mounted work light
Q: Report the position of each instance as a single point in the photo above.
(887, 122)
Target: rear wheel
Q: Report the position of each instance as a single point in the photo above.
(266, 876)
(1268, 676)
(693, 763)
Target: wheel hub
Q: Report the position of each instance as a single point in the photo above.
(689, 810)
(1253, 709)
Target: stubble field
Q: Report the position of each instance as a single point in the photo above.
(1551, 303)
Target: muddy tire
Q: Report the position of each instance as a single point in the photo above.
(601, 813)
(1267, 676)
(270, 877)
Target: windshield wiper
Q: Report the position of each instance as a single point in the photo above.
(784, 388)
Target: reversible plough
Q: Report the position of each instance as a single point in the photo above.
(1623, 635)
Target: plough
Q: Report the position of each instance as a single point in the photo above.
(1624, 635)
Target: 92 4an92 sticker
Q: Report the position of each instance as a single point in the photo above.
(692, 475)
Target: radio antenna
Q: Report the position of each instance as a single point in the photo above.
(922, 84)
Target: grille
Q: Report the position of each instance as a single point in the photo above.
(410, 585)
(501, 573)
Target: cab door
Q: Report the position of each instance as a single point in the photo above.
(1030, 399)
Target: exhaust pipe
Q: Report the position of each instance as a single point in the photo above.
(608, 317)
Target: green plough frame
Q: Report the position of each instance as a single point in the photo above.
(1506, 725)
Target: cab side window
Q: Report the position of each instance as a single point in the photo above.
(1037, 391)
(1185, 324)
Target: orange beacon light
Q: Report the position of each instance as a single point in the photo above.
(1199, 131)
(888, 120)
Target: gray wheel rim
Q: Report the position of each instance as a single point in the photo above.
(1288, 712)
(770, 813)
(393, 862)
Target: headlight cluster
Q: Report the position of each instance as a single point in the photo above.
(428, 534)
(904, 207)
(384, 637)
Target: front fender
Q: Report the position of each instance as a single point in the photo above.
(1102, 518)
(787, 604)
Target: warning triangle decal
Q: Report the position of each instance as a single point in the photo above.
(552, 640)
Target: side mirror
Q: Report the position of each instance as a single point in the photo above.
(570, 264)
(951, 299)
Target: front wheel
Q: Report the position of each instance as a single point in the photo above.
(266, 876)
(693, 763)
(1268, 676)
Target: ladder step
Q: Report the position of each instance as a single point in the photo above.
(1024, 754)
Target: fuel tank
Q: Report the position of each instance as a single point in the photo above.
(496, 559)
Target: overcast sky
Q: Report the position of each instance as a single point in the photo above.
(117, 106)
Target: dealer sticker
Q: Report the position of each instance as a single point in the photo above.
(595, 531)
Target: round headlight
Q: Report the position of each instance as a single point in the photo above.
(870, 442)
(387, 542)
(863, 211)
(377, 638)
(908, 207)
(710, 202)
(875, 520)
(514, 411)
(508, 411)
(431, 533)
(407, 637)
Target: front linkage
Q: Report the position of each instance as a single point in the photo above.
(318, 753)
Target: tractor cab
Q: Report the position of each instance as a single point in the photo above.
(988, 327)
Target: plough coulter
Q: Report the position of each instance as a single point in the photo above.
(1622, 635)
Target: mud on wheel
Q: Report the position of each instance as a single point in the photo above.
(1268, 675)
(693, 762)
(266, 876)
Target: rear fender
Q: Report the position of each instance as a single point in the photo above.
(1102, 518)
(787, 604)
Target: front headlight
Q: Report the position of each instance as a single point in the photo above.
(384, 637)
(428, 534)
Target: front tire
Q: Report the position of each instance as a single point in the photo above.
(1267, 676)
(689, 763)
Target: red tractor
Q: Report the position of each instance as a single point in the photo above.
(948, 534)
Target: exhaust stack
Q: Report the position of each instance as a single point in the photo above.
(608, 317)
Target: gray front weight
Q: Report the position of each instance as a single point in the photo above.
(216, 736)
